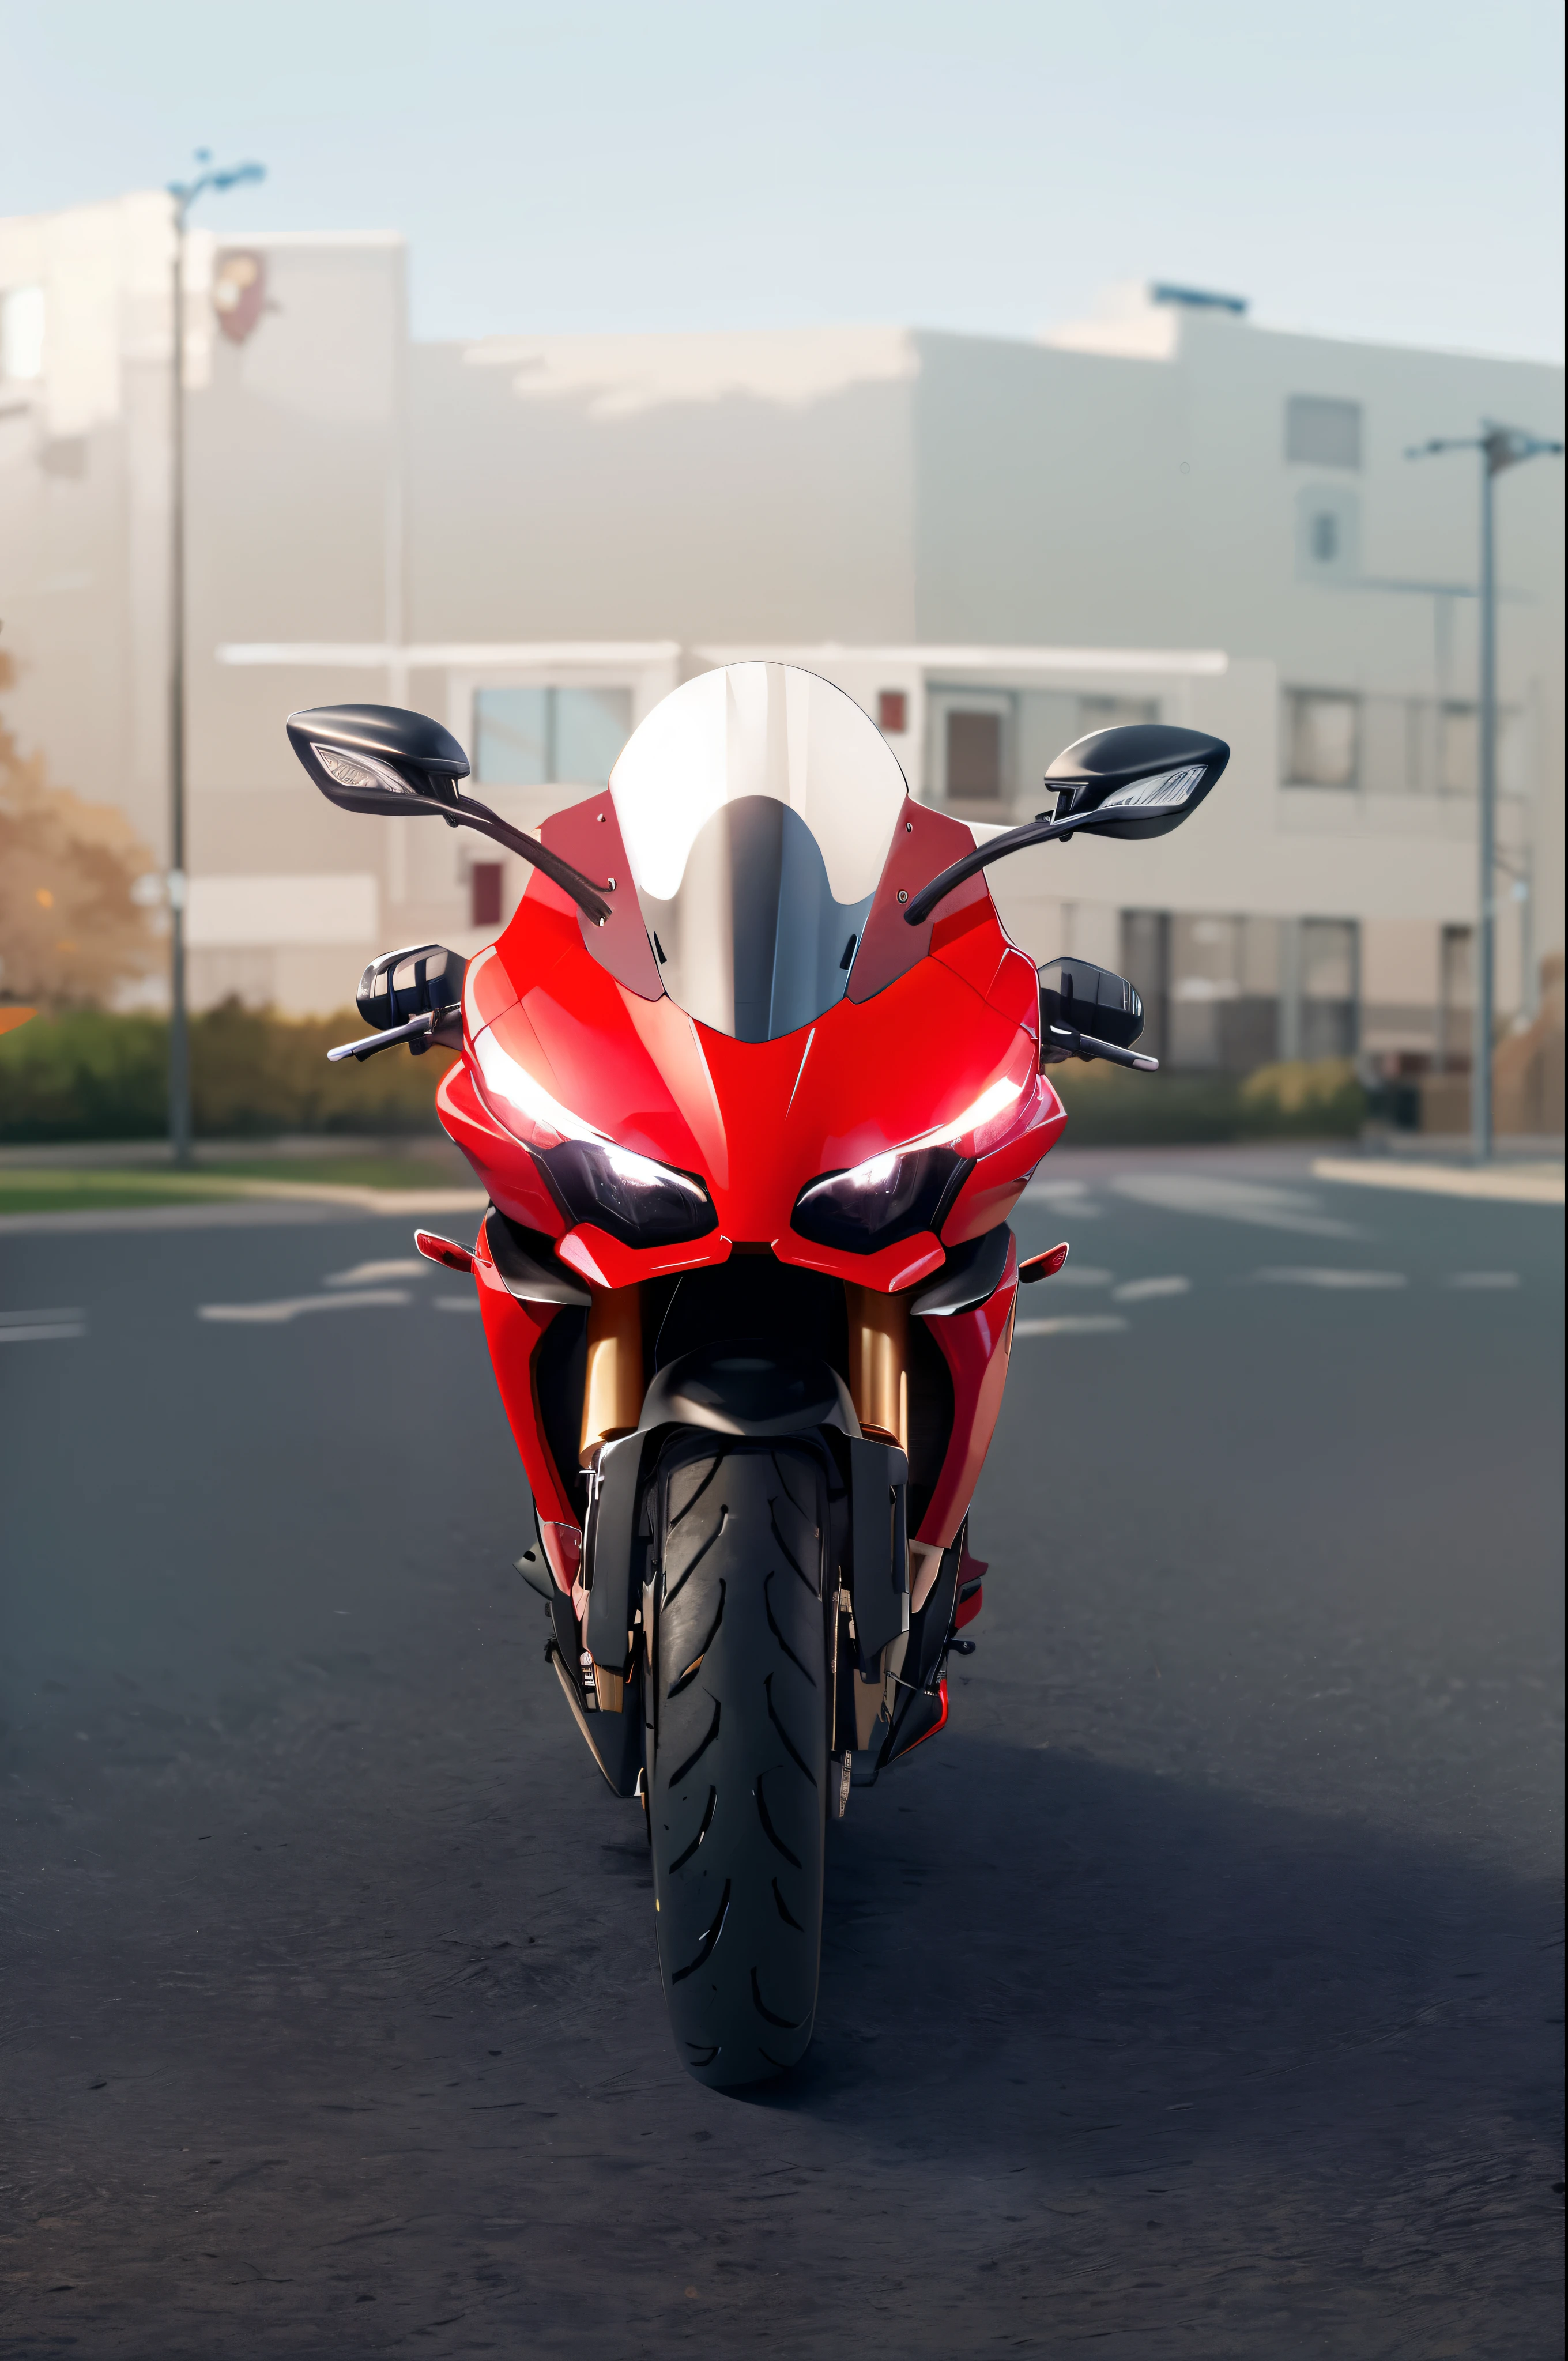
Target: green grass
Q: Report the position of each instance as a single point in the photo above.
(350, 1172)
(36, 1190)
(39, 1189)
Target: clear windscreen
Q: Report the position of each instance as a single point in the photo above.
(757, 804)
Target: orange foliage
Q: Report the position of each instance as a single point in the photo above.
(70, 931)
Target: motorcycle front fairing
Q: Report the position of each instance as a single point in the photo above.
(946, 1055)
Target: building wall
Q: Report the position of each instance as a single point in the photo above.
(1051, 534)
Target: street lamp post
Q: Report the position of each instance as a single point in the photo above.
(1500, 447)
(184, 193)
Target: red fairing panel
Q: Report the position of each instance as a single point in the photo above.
(976, 1346)
(559, 1047)
(512, 1331)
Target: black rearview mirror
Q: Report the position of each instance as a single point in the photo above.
(1151, 774)
(378, 757)
(1142, 780)
(1088, 1012)
(382, 759)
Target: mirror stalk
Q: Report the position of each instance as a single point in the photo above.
(467, 813)
(1012, 839)
(384, 760)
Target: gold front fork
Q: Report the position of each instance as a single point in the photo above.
(879, 1363)
(612, 1388)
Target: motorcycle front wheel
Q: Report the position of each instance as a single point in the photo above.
(738, 1749)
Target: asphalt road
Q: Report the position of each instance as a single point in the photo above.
(1198, 1992)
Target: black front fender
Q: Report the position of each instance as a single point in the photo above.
(748, 1391)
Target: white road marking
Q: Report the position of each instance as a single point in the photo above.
(1515, 1184)
(1252, 1202)
(1333, 1279)
(1143, 1291)
(1477, 1278)
(370, 1274)
(1100, 1326)
(40, 1327)
(458, 1302)
(289, 1307)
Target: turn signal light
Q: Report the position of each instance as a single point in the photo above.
(444, 1251)
(1042, 1266)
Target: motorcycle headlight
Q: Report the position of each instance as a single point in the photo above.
(635, 1200)
(876, 1203)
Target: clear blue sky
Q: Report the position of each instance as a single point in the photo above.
(1391, 169)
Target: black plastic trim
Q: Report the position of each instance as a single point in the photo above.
(970, 1276)
(526, 1265)
(736, 1389)
(878, 1546)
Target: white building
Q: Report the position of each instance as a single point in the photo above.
(993, 545)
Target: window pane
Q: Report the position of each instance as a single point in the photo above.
(1145, 956)
(548, 737)
(1323, 732)
(1459, 751)
(1329, 964)
(511, 736)
(592, 725)
(975, 756)
(1205, 977)
(1328, 959)
(1323, 434)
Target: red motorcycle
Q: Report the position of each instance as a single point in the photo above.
(753, 1079)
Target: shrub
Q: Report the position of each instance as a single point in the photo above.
(85, 1074)
(1109, 1107)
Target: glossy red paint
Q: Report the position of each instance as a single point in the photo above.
(572, 1052)
(569, 1034)
(603, 1261)
(445, 1251)
(512, 1332)
(975, 1346)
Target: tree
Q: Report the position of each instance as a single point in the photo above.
(71, 930)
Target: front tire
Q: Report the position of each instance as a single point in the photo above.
(739, 1711)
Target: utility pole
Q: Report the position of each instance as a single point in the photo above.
(184, 194)
(1500, 447)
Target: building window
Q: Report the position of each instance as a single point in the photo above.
(1323, 733)
(21, 334)
(1330, 964)
(1323, 434)
(549, 737)
(893, 712)
(1209, 987)
(1456, 1000)
(485, 894)
(974, 757)
(1146, 964)
(1327, 533)
(1459, 751)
